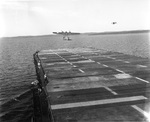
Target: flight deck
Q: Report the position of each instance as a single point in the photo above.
(92, 85)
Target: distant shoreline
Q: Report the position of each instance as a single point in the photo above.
(89, 33)
(118, 32)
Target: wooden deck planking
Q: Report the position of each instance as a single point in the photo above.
(87, 77)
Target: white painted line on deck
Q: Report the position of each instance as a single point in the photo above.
(65, 60)
(69, 62)
(74, 65)
(123, 76)
(50, 64)
(142, 66)
(110, 57)
(146, 114)
(97, 102)
(126, 61)
(105, 65)
(120, 70)
(81, 70)
(84, 61)
(142, 79)
(113, 92)
(84, 57)
(98, 62)
(119, 60)
(56, 63)
(91, 60)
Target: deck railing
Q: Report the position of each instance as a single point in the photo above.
(41, 108)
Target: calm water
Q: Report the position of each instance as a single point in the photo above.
(17, 68)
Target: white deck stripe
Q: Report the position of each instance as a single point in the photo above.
(110, 57)
(113, 92)
(83, 61)
(91, 60)
(135, 77)
(126, 61)
(56, 63)
(73, 62)
(146, 114)
(81, 70)
(122, 76)
(97, 102)
(105, 65)
(142, 79)
(120, 71)
(70, 63)
(65, 59)
(142, 66)
(84, 57)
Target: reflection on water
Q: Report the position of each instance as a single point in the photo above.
(17, 68)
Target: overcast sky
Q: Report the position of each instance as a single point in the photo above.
(37, 17)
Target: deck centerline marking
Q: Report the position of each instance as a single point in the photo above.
(146, 114)
(73, 73)
(91, 60)
(142, 79)
(119, 60)
(141, 65)
(74, 65)
(105, 65)
(81, 70)
(65, 60)
(97, 102)
(126, 61)
(120, 70)
(108, 66)
(113, 92)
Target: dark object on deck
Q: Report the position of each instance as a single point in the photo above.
(74, 84)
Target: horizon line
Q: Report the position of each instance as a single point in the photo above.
(90, 33)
